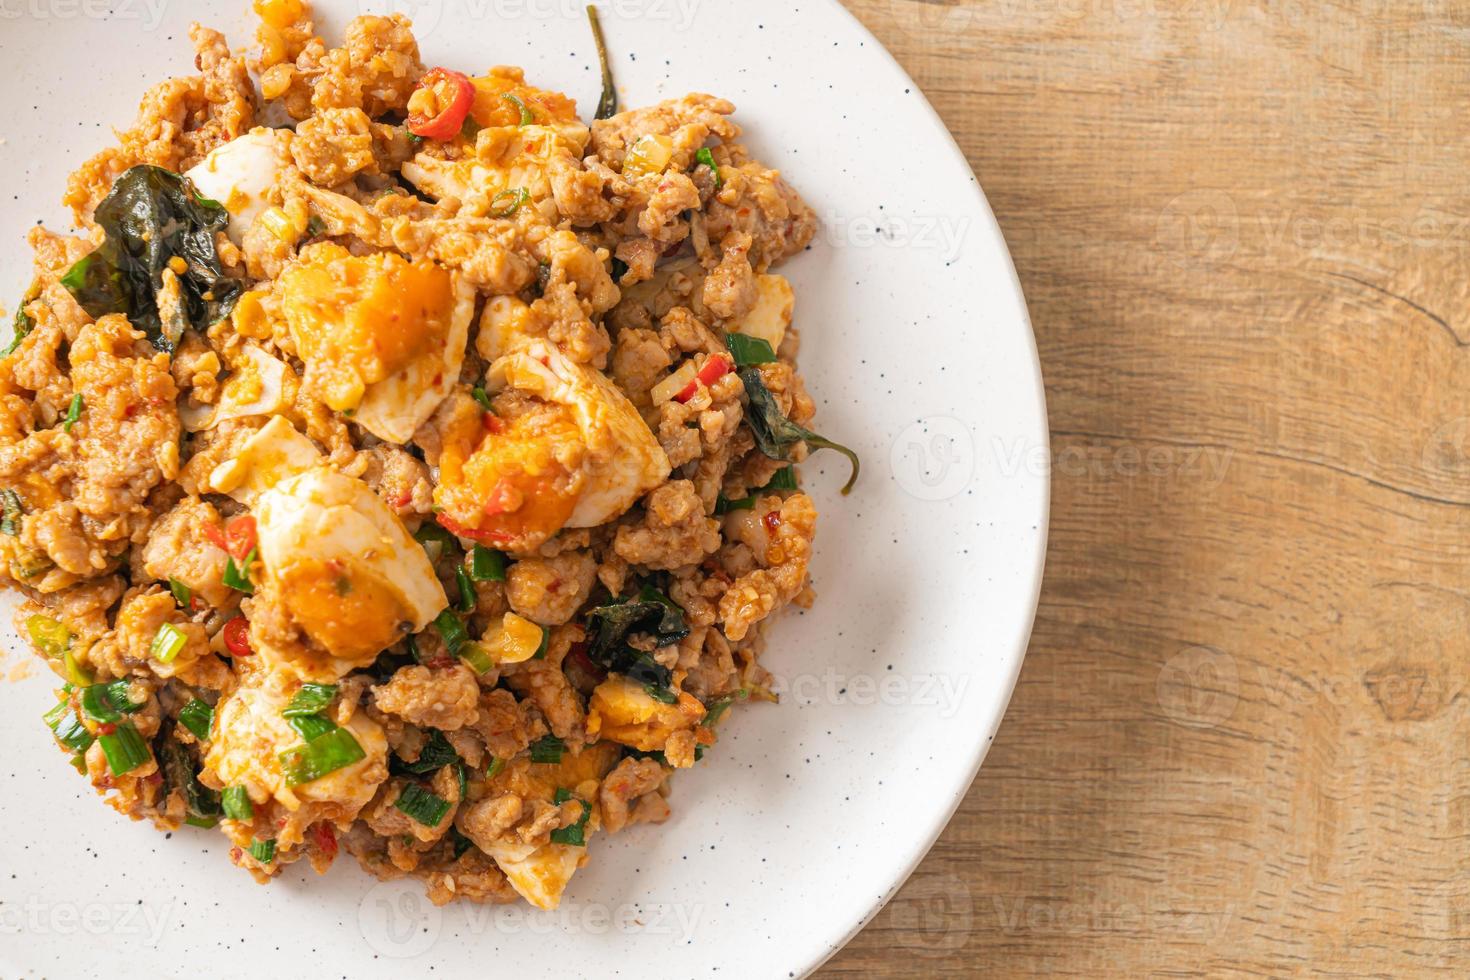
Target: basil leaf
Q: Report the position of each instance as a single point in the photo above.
(775, 434)
(150, 217)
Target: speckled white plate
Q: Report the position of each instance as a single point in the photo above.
(808, 815)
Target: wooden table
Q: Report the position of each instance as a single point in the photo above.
(1239, 744)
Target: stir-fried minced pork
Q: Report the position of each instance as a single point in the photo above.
(397, 463)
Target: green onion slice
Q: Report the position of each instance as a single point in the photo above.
(451, 628)
(310, 726)
(12, 510)
(494, 768)
(547, 749)
(707, 158)
(486, 564)
(237, 577)
(124, 748)
(236, 803)
(526, 117)
(48, 636)
(477, 657)
(108, 702)
(467, 598)
(75, 672)
(508, 202)
(576, 834)
(182, 593)
(310, 699)
(540, 653)
(167, 643)
(324, 754)
(421, 805)
(263, 851)
(723, 504)
(68, 728)
(479, 395)
(198, 717)
(73, 413)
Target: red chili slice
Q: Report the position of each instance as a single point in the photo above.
(240, 537)
(447, 124)
(216, 536)
(237, 637)
(473, 534)
(773, 520)
(714, 369)
(326, 839)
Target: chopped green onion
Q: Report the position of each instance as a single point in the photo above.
(75, 672)
(486, 565)
(467, 598)
(462, 776)
(236, 803)
(205, 822)
(749, 350)
(717, 708)
(48, 636)
(479, 395)
(782, 479)
(310, 699)
(124, 748)
(526, 117)
(237, 577)
(322, 755)
(494, 768)
(436, 541)
(79, 762)
(73, 413)
(68, 728)
(315, 226)
(513, 197)
(311, 726)
(263, 851)
(182, 593)
(168, 642)
(661, 694)
(477, 657)
(540, 653)
(707, 158)
(452, 629)
(547, 749)
(24, 324)
(461, 842)
(108, 702)
(198, 717)
(576, 834)
(723, 504)
(607, 106)
(421, 805)
(412, 644)
(10, 523)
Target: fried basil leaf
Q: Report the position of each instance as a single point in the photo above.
(649, 612)
(775, 434)
(151, 217)
(180, 773)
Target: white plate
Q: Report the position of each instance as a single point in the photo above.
(808, 815)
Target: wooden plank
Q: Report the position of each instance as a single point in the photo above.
(1238, 747)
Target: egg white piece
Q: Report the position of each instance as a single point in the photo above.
(250, 733)
(624, 459)
(327, 516)
(274, 453)
(394, 408)
(238, 175)
(771, 315)
(539, 875)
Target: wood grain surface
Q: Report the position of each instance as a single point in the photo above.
(1239, 743)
